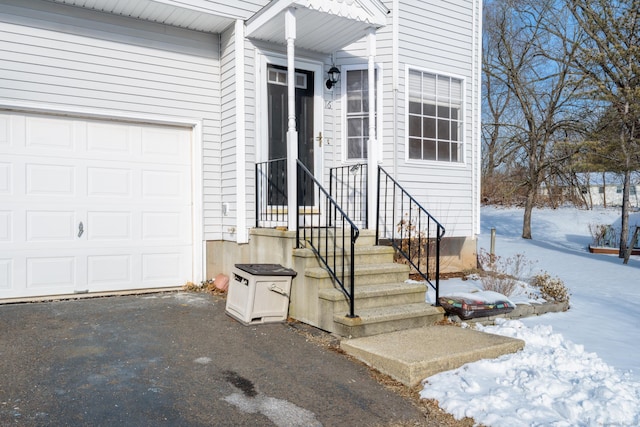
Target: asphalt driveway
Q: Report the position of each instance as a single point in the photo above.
(176, 359)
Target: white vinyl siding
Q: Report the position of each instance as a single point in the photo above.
(438, 38)
(70, 59)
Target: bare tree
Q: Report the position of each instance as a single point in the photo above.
(610, 61)
(497, 108)
(498, 114)
(532, 62)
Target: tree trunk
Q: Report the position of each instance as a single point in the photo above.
(528, 209)
(604, 189)
(624, 227)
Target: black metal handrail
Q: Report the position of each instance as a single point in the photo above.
(271, 193)
(348, 186)
(412, 231)
(322, 225)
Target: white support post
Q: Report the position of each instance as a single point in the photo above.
(372, 152)
(292, 134)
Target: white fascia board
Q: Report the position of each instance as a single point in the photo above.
(372, 12)
(265, 15)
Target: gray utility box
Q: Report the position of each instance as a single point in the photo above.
(259, 293)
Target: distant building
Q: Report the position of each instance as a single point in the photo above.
(606, 189)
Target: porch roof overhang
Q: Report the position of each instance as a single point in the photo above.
(212, 16)
(323, 25)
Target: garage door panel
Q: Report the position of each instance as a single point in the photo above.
(46, 180)
(109, 270)
(6, 227)
(110, 182)
(112, 226)
(5, 127)
(129, 186)
(162, 226)
(6, 272)
(6, 172)
(158, 184)
(158, 266)
(50, 133)
(50, 225)
(162, 145)
(52, 272)
(111, 139)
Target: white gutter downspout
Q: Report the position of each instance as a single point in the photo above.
(372, 155)
(241, 175)
(292, 134)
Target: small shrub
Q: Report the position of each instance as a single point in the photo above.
(501, 283)
(417, 245)
(503, 275)
(551, 288)
(604, 235)
(204, 286)
(517, 266)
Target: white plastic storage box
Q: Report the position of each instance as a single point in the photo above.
(259, 293)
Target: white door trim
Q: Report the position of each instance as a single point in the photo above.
(198, 243)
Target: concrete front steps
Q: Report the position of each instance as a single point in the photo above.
(394, 331)
(384, 302)
(411, 355)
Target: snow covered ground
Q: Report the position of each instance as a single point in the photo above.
(578, 368)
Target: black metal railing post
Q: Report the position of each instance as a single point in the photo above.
(411, 234)
(378, 209)
(352, 301)
(257, 177)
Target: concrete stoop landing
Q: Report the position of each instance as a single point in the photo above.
(411, 355)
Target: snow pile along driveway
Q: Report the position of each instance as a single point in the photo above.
(551, 382)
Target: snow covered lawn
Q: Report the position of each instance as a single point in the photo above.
(578, 368)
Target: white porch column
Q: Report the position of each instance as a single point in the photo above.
(372, 152)
(292, 134)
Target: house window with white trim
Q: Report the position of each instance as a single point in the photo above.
(435, 117)
(357, 112)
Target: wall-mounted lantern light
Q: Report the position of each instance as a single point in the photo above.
(334, 76)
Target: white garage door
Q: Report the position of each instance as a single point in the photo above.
(91, 206)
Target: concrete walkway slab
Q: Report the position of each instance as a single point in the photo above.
(412, 355)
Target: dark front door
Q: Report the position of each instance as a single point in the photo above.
(277, 112)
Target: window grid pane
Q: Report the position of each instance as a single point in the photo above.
(357, 112)
(435, 120)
